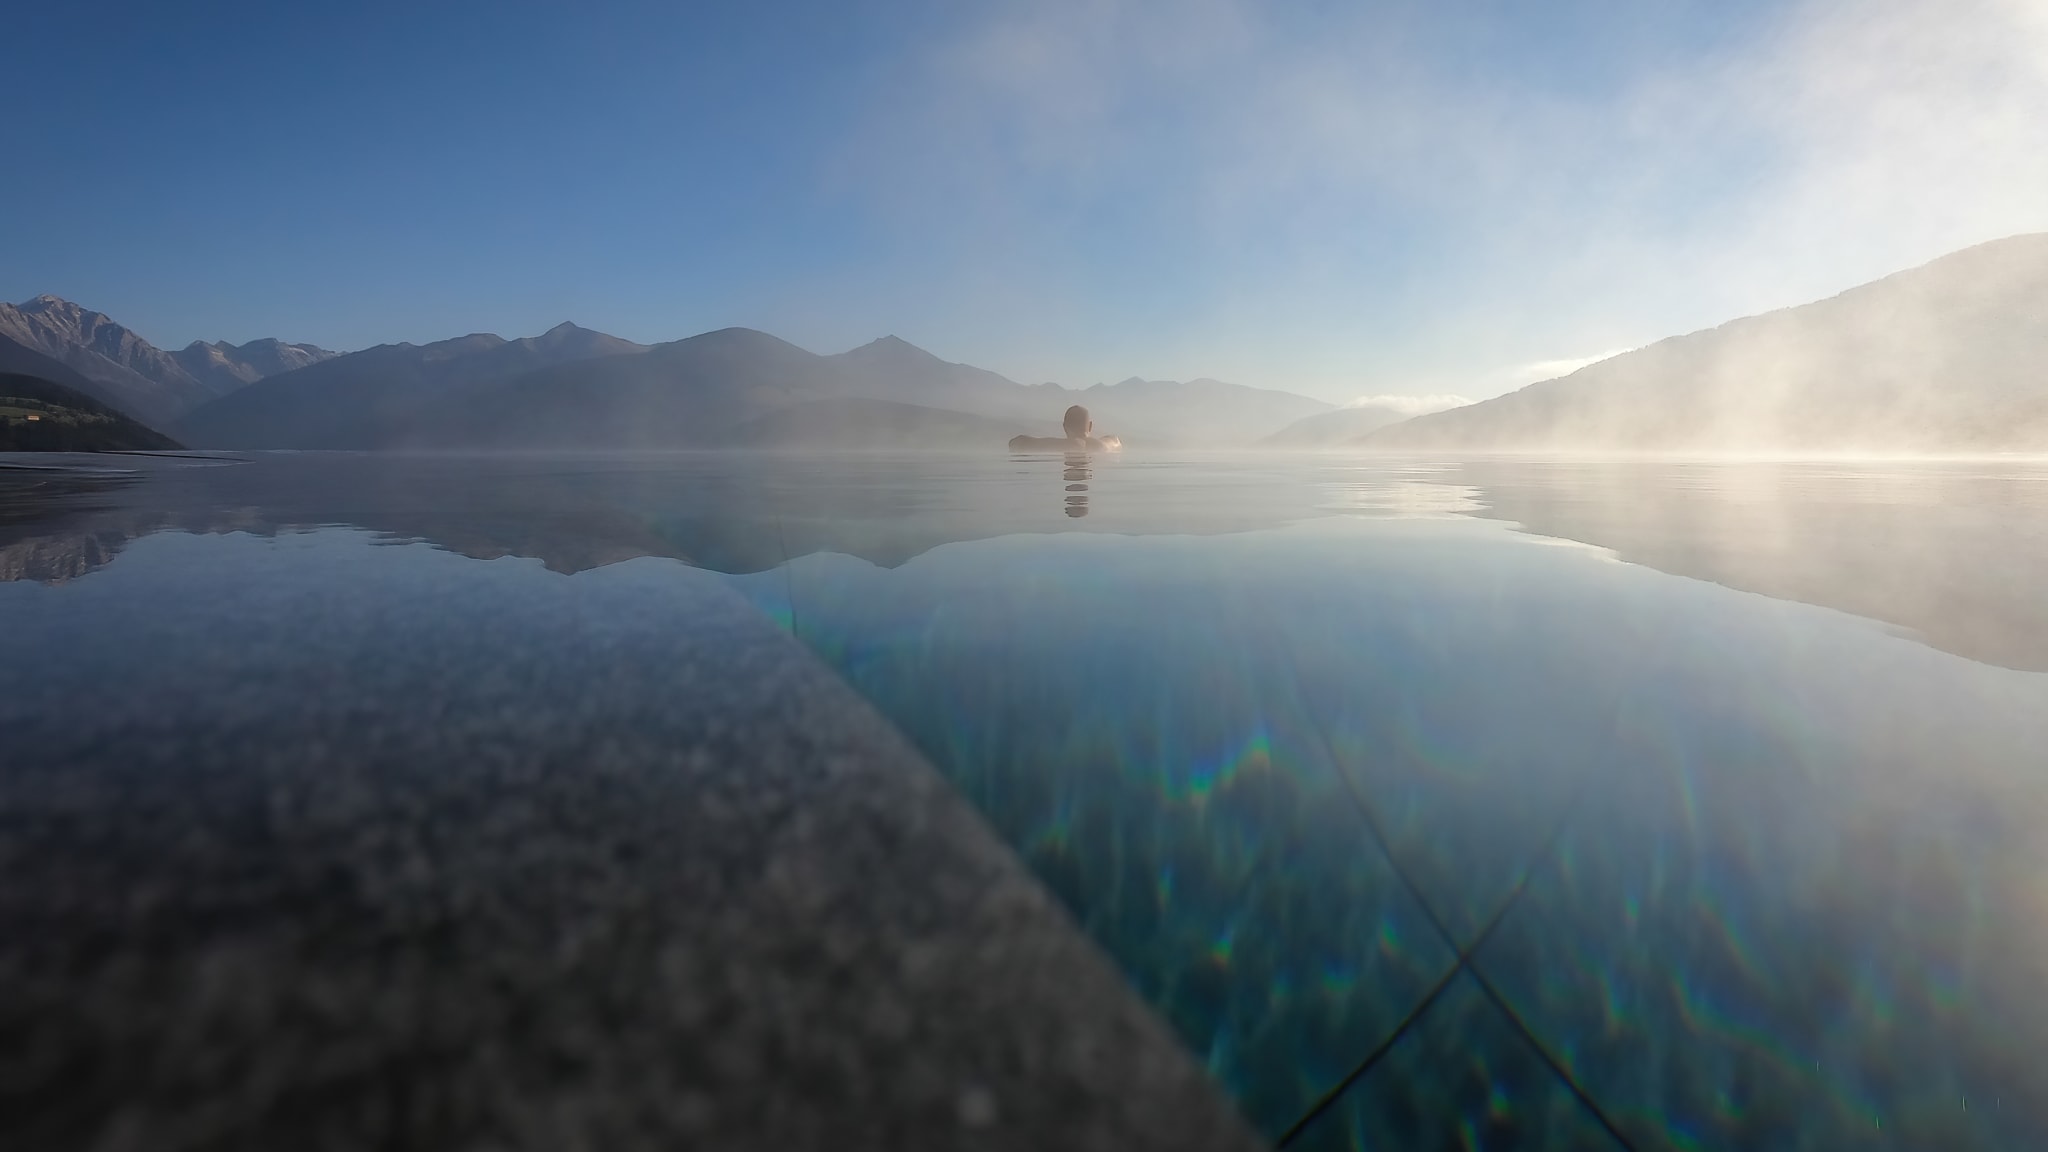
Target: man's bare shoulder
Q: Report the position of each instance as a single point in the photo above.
(1064, 444)
(1043, 444)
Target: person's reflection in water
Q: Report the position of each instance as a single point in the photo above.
(1079, 441)
(1076, 476)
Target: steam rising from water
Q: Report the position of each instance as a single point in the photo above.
(1388, 199)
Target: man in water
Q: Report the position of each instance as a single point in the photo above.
(1080, 437)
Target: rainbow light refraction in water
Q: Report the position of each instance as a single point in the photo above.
(1285, 778)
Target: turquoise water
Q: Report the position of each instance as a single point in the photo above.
(1434, 804)
(1420, 827)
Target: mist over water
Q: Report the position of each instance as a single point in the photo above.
(1685, 801)
(1478, 569)
(1554, 186)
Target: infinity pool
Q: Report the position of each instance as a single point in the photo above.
(1433, 804)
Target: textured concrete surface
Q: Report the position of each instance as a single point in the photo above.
(313, 843)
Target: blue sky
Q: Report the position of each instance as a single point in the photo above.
(1339, 199)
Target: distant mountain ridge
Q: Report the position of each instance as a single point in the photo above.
(575, 387)
(1946, 357)
(19, 358)
(377, 398)
(572, 388)
(121, 368)
(227, 367)
(1951, 356)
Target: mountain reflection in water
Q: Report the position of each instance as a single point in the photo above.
(1411, 822)
(1943, 550)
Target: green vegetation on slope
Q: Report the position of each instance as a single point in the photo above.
(37, 415)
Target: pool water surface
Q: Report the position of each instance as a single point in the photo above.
(1638, 819)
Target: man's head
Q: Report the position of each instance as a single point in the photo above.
(1077, 423)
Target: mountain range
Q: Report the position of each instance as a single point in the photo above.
(573, 388)
(1951, 356)
(375, 398)
(122, 369)
(226, 367)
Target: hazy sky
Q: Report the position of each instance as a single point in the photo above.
(1342, 199)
